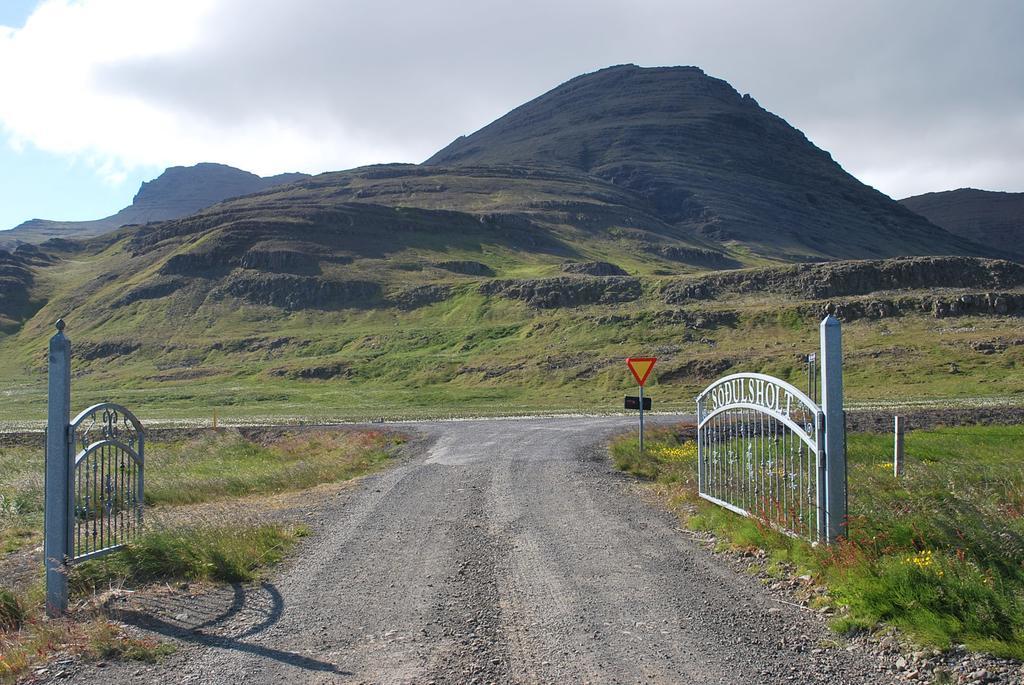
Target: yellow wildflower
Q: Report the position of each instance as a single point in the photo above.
(688, 450)
(925, 561)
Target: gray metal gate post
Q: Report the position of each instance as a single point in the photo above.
(58, 474)
(835, 426)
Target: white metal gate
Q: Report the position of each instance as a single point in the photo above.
(766, 450)
(760, 452)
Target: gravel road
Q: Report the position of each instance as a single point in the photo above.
(507, 551)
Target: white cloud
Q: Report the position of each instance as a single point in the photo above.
(47, 78)
(314, 85)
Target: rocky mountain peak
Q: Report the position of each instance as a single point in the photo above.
(177, 192)
(705, 159)
(181, 190)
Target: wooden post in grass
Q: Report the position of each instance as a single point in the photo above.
(58, 502)
(897, 454)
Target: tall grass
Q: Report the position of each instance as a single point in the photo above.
(227, 553)
(91, 638)
(12, 610)
(219, 465)
(212, 466)
(938, 552)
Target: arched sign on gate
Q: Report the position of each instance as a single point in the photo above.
(766, 450)
(760, 452)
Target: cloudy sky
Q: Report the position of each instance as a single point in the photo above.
(98, 95)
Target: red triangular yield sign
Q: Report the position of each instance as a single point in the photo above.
(641, 367)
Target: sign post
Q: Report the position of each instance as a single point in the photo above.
(641, 367)
(641, 419)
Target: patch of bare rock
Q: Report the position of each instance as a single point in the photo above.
(566, 291)
(844, 278)
(593, 269)
(466, 267)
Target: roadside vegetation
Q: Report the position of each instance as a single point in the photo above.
(32, 639)
(213, 465)
(225, 553)
(938, 553)
(180, 542)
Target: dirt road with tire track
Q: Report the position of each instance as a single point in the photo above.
(507, 551)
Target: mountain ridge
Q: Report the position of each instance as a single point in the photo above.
(178, 191)
(706, 159)
(985, 216)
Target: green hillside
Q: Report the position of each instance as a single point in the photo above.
(432, 342)
(505, 277)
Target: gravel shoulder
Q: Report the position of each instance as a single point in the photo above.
(506, 551)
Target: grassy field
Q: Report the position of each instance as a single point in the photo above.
(186, 355)
(208, 467)
(472, 356)
(213, 467)
(938, 552)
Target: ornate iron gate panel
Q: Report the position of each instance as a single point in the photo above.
(107, 480)
(760, 446)
(94, 478)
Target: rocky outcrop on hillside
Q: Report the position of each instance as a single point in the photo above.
(103, 350)
(466, 267)
(231, 249)
(198, 263)
(16, 279)
(696, 320)
(509, 221)
(593, 269)
(694, 256)
(33, 255)
(283, 258)
(162, 286)
(297, 292)
(421, 296)
(839, 279)
(970, 304)
(320, 372)
(565, 291)
(696, 368)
